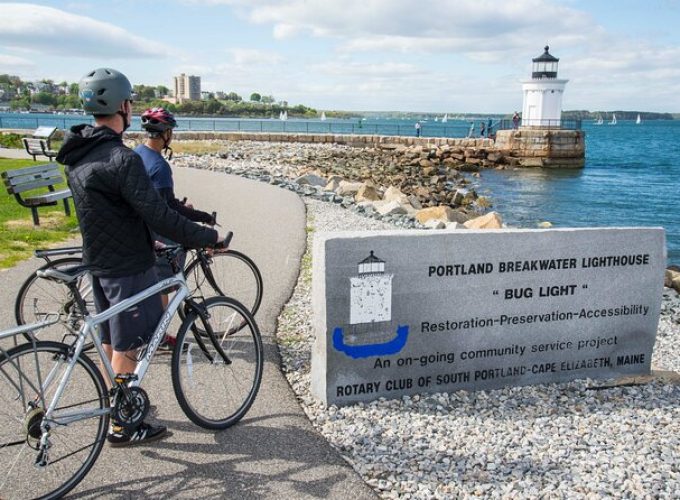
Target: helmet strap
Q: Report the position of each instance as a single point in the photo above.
(126, 123)
(166, 143)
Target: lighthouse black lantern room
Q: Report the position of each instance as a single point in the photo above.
(545, 65)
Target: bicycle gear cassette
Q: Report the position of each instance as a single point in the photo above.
(130, 407)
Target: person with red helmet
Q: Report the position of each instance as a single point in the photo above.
(159, 124)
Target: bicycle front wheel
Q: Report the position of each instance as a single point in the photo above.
(39, 298)
(29, 376)
(232, 274)
(217, 364)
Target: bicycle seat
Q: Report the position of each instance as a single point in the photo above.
(53, 252)
(65, 276)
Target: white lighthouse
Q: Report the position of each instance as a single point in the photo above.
(542, 107)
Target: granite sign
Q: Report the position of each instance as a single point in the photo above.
(400, 312)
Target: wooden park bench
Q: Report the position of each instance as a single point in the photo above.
(39, 143)
(20, 180)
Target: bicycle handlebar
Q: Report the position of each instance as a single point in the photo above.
(225, 242)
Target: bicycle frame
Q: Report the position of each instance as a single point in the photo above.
(90, 327)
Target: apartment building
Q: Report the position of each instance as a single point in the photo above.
(187, 88)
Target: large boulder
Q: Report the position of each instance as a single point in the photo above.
(346, 188)
(441, 213)
(367, 192)
(394, 194)
(311, 180)
(672, 278)
(492, 220)
(333, 183)
(385, 207)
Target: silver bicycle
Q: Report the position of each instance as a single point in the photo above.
(55, 404)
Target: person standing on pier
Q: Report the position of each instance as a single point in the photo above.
(417, 129)
(482, 129)
(515, 120)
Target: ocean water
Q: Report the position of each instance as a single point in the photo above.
(630, 179)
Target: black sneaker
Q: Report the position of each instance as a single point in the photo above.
(145, 433)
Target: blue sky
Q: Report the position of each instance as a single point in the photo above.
(427, 55)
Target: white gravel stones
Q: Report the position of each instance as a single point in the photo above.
(547, 441)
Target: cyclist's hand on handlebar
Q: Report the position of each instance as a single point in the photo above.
(223, 242)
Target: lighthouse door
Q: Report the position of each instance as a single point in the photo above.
(533, 119)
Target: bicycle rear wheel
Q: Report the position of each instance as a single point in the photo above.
(29, 376)
(215, 392)
(234, 275)
(39, 298)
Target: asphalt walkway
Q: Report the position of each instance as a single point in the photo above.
(274, 452)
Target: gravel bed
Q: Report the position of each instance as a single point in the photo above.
(545, 441)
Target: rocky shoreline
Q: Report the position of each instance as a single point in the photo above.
(407, 186)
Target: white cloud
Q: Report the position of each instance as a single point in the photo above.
(243, 56)
(7, 61)
(343, 68)
(55, 32)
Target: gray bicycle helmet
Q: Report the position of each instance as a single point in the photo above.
(103, 90)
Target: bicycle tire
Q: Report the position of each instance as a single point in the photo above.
(68, 461)
(216, 395)
(39, 297)
(234, 274)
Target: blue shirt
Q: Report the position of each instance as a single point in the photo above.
(156, 166)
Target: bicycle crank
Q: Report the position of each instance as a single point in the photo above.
(130, 407)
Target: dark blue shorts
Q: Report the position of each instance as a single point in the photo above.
(133, 327)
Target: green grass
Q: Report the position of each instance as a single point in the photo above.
(18, 236)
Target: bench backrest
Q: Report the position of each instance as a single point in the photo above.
(33, 146)
(25, 179)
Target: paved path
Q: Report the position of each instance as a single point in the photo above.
(274, 452)
(16, 154)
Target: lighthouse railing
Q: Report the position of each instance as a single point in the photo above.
(571, 124)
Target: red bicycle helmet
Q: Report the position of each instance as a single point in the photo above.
(158, 120)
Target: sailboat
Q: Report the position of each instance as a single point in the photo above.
(436, 118)
(323, 116)
(445, 119)
(599, 121)
(613, 122)
(283, 115)
(638, 121)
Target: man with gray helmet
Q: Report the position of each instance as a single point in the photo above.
(117, 208)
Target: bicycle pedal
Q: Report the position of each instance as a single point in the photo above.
(124, 378)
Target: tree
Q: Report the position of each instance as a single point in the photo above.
(267, 99)
(233, 96)
(73, 89)
(45, 98)
(212, 106)
(20, 104)
(255, 97)
(162, 90)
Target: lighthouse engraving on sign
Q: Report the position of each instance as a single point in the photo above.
(370, 331)
(402, 312)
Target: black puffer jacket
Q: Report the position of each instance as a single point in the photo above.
(117, 204)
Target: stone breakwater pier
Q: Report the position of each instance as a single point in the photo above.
(522, 148)
(511, 149)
